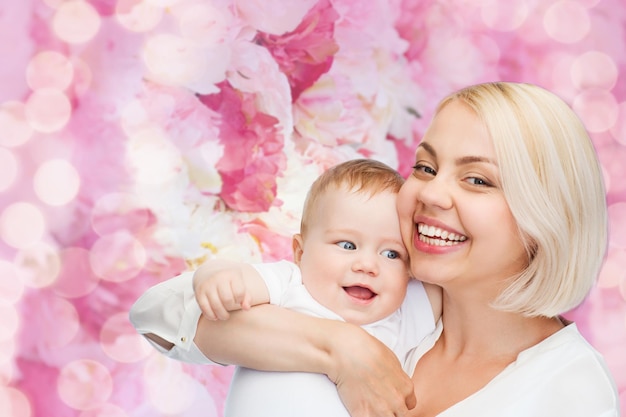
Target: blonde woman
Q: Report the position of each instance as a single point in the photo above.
(509, 172)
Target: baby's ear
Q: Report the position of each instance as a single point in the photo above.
(297, 246)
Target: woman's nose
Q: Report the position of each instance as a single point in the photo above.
(435, 193)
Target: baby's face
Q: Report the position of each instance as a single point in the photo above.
(353, 260)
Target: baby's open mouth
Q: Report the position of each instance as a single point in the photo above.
(359, 292)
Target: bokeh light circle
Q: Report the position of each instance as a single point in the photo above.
(49, 69)
(550, 72)
(9, 322)
(76, 278)
(169, 389)
(154, 159)
(76, 22)
(589, 3)
(598, 109)
(8, 339)
(105, 410)
(13, 124)
(503, 16)
(48, 110)
(594, 69)
(11, 283)
(137, 15)
(617, 221)
(121, 342)
(618, 130)
(117, 257)
(9, 169)
(8, 347)
(84, 384)
(614, 269)
(566, 21)
(60, 322)
(38, 265)
(119, 211)
(54, 4)
(13, 403)
(56, 182)
(21, 225)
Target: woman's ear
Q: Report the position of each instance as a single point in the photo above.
(297, 246)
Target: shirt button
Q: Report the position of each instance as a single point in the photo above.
(183, 339)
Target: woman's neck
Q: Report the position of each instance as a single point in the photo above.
(473, 328)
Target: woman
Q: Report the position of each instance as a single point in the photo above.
(505, 210)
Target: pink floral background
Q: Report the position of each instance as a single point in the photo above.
(141, 137)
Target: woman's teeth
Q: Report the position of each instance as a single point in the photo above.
(438, 237)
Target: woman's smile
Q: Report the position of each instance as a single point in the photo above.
(437, 236)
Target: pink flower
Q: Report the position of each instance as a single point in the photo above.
(411, 24)
(253, 154)
(273, 16)
(104, 7)
(330, 113)
(273, 245)
(406, 156)
(254, 70)
(307, 52)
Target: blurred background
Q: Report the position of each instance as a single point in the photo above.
(139, 138)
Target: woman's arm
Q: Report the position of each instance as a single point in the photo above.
(369, 377)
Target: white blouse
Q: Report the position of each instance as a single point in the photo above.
(562, 375)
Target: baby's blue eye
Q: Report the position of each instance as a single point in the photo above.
(391, 254)
(346, 245)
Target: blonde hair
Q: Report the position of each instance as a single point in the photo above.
(358, 175)
(552, 182)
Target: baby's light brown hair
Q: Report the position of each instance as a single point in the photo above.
(357, 175)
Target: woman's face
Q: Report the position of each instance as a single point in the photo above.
(454, 219)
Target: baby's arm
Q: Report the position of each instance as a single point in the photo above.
(222, 286)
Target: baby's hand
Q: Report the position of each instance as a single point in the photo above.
(221, 291)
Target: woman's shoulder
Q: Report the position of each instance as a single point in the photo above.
(564, 347)
(562, 375)
(567, 363)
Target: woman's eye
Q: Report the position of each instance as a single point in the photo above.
(478, 181)
(424, 168)
(344, 244)
(391, 254)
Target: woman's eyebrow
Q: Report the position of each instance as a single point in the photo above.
(475, 159)
(427, 148)
(464, 160)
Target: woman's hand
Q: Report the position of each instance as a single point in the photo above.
(369, 377)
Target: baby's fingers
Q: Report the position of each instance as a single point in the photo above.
(241, 297)
(212, 306)
(222, 302)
